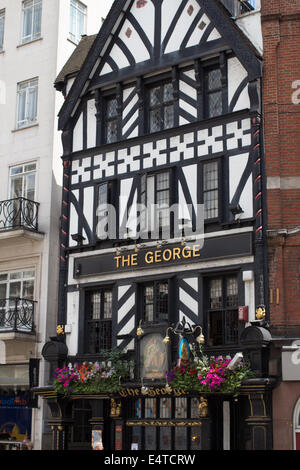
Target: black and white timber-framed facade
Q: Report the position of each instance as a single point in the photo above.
(166, 108)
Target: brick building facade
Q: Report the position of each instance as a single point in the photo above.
(281, 36)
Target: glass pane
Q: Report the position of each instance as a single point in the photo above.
(28, 288)
(3, 277)
(32, 104)
(21, 107)
(180, 407)
(150, 438)
(168, 92)
(165, 438)
(29, 190)
(232, 292)
(231, 327)
(112, 108)
(215, 107)
(162, 180)
(214, 79)
(2, 19)
(15, 275)
(155, 120)
(194, 407)
(180, 438)
(37, 20)
(16, 188)
(155, 96)
(16, 170)
(215, 329)
(2, 291)
(210, 176)
(138, 408)
(28, 274)
(168, 117)
(211, 204)
(166, 408)
(112, 131)
(107, 305)
(149, 303)
(95, 305)
(29, 167)
(162, 302)
(137, 436)
(27, 23)
(215, 293)
(150, 408)
(15, 289)
(102, 194)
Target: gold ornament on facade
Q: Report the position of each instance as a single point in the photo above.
(203, 408)
(115, 408)
(60, 330)
(260, 313)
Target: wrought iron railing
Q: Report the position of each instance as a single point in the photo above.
(18, 213)
(16, 315)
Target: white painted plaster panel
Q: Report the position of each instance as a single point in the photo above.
(78, 135)
(145, 17)
(182, 25)
(91, 123)
(73, 227)
(73, 320)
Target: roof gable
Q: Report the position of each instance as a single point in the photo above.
(141, 36)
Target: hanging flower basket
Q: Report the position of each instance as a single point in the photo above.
(209, 375)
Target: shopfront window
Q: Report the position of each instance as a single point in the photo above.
(99, 321)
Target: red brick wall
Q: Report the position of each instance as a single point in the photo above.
(281, 34)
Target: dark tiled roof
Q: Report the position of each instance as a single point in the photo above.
(76, 60)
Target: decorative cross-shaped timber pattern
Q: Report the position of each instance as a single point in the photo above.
(161, 151)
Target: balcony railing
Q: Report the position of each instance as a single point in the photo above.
(16, 315)
(18, 213)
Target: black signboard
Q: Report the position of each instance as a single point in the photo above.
(149, 257)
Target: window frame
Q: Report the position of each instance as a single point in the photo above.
(158, 83)
(218, 217)
(74, 7)
(142, 192)
(208, 92)
(30, 120)
(2, 20)
(154, 283)
(33, 36)
(23, 173)
(222, 309)
(8, 281)
(89, 320)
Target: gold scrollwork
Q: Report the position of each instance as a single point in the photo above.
(163, 423)
(60, 330)
(115, 408)
(203, 408)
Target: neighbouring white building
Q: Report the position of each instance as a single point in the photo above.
(36, 39)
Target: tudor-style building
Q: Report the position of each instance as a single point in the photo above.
(163, 107)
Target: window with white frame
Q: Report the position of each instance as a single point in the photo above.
(17, 284)
(78, 13)
(2, 21)
(22, 179)
(31, 20)
(27, 103)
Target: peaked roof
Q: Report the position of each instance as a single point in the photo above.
(207, 28)
(76, 60)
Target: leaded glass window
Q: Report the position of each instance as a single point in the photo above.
(155, 201)
(161, 107)
(223, 311)
(99, 320)
(211, 190)
(156, 301)
(111, 120)
(213, 93)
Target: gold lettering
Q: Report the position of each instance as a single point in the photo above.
(176, 253)
(117, 258)
(165, 257)
(134, 259)
(149, 257)
(151, 392)
(188, 250)
(123, 393)
(196, 248)
(158, 256)
(125, 260)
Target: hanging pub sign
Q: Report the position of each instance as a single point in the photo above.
(149, 257)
